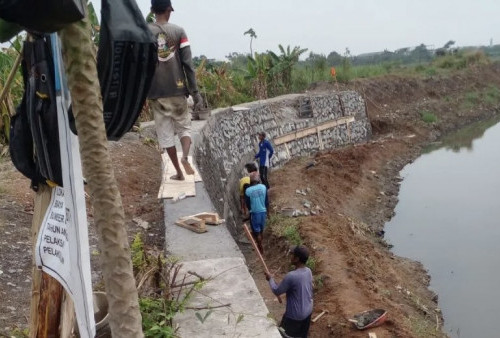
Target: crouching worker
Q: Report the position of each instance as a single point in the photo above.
(245, 182)
(298, 286)
(257, 202)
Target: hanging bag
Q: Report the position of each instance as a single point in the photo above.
(126, 62)
(42, 15)
(34, 142)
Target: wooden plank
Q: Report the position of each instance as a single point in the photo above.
(191, 227)
(174, 189)
(194, 221)
(311, 130)
(68, 317)
(210, 218)
(46, 292)
(320, 141)
(170, 167)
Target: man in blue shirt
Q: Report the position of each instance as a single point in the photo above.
(298, 286)
(264, 155)
(257, 202)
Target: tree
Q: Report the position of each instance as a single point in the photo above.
(421, 53)
(252, 34)
(318, 64)
(449, 44)
(258, 71)
(334, 59)
(283, 64)
(80, 64)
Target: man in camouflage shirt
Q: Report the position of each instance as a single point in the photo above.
(173, 81)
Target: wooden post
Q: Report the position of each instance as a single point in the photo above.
(68, 317)
(46, 292)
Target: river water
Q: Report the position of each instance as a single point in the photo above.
(448, 218)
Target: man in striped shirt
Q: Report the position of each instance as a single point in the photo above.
(172, 83)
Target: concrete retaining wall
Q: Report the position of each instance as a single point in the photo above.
(297, 125)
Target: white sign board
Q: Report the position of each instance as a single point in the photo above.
(62, 249)
(53, 241)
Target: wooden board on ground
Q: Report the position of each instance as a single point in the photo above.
(210, 218)
(166, 159)
(173, 188)
(195, 228)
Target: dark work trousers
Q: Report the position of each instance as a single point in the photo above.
(263, 176)
(296, 328)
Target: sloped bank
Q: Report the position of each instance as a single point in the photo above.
(297, 125)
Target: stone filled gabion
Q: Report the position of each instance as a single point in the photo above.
(229, 140)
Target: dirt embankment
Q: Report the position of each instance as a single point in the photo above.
(356, 188)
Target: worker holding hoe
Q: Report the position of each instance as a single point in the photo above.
(298, 286)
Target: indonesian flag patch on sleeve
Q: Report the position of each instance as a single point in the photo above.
(184, 42)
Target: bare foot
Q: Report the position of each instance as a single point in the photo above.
(187, 166)
(177, 178)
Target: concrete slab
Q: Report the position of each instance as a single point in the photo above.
(231, 284)
(190, 246)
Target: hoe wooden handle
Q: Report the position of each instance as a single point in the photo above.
(250, 237)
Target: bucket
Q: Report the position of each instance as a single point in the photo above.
(204, 114)
(101, 315)
(288, 212)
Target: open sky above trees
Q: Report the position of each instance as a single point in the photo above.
(216, 27)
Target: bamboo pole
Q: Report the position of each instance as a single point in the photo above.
(250, 237)
(116, 262)
(11, 76)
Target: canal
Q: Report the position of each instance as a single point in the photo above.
(448, 218)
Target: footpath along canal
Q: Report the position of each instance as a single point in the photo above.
(448, 218)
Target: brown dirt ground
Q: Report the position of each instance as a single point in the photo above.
(356, 188)
(138, 172)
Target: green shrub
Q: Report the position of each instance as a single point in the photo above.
(492, 95)
(157, 315)
(138, 254)
(287, 227)
(428, 117)
(430, 71)
(471, 99)
(291, 233)
(311, 264)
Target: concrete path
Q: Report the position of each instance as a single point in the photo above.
(215, 256)
(190, 246)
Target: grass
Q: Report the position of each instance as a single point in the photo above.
(287, 227)
(138, 254)
(422, 327)
(19, 333)
(492, 95)
(311, 263)
(428, 117)
(156, 317)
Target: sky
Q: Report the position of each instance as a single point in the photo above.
(215, 28)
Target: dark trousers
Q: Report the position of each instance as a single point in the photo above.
(263, 176)
(296, 328)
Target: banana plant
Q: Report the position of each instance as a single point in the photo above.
(258, 71)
